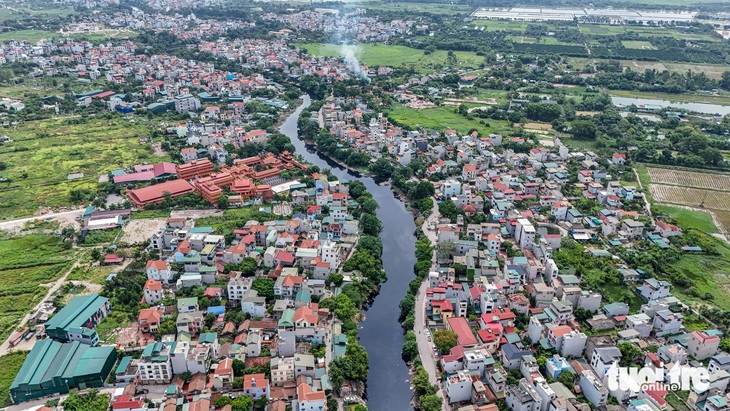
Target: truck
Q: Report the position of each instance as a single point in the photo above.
(18, 337)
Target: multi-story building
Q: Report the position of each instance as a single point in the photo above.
(593, 388)
(155, 364)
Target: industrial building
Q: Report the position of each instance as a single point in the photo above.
(77, 320)
(55, 368)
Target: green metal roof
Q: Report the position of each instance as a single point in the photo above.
(76, 312)
(51, 359)
(123, 364)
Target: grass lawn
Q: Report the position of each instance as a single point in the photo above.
(577, 144)
(709, 274)
(44, 152)
(10, 364)
(395, 56)
(501, 25)
(687, 218)
(25, 263)
(443, 118)
(638, 44)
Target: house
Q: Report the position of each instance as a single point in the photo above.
(511, 356)
(603, 358)
(465, 336)
(618, 158)
(593, 388)
(702, 345)
(149, 319)
(159, 270)
(223, 374)
(253, 305)
(654, 289)
(256, 386)
(308, 399)
(155, 363)
(153, 292)
(632, 228)
(458, 387)
(524, 397)
(667, 230)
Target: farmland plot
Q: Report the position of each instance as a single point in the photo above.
(689, 179)
(693, 197)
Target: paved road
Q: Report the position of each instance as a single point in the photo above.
(425, 347)
(17, 224)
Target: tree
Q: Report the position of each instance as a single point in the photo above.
(186, 376)
(430, 402)
(264, 286)
(583, 129)
(223, 201)
(370, 224)
(247, 267)
(444, 340)
(422, 190)
(410, 347)
(242, 403)
(221, 402)
(581, 314)
(369, 205)
(448, 209)
(239, 368)
(567, 378)
(336, 279)
(381, 168)
(630, 354)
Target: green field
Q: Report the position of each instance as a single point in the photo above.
(687, 218)
(43, 153)
(433, 8)
(612, 30)
(25, 263)
(395, 56)
(9, 366)
(19, 11)
(443, 118)
(34, 36)
(501, 25)
(638, 44)
(709, 274)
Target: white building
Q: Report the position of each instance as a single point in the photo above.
(155, 364)
(158, 270)
(253, 305)
(593, 388)
(458, 387)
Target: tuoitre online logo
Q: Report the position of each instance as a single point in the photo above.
(677, 378)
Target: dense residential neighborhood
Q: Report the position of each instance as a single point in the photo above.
(279, 206)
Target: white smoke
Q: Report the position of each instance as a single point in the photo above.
(349, 54)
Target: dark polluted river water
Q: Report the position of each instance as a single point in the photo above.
(388, 386)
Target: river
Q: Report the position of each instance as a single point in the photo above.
(388, 385)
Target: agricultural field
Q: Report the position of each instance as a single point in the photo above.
(611, 30)
(395, 56)
(689, 178)
(443, 118)
(43, 153)
(17, 11)
(501, 25)
(43, 260)
(446, 9)
(34, 36)
(638, 44)
(693, 197)
(10, 364)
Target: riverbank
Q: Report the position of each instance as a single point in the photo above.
(380, 333)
